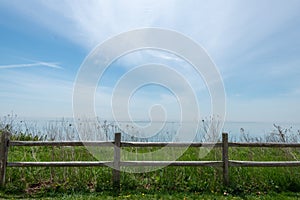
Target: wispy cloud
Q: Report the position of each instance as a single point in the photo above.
(36, 64)
(90, 23)
(256, 51)
(40, 94)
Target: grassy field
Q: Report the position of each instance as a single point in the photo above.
(166, 183)
(193, 181)
(157, 195)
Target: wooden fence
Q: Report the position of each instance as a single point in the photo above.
(225, 163)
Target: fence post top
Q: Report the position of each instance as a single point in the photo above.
(224, 134)
(5, 132)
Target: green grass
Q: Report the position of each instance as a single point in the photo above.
(191, 180)
(156, 195)
(165, 183)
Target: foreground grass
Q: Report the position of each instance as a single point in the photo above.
(191, 180)
(184, 182)
(157, 195)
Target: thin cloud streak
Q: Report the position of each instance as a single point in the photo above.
(37, 64)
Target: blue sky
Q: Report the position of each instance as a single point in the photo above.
(255, 45)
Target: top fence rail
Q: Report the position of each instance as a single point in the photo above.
(151, 144)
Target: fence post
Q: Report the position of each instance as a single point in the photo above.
(3, 156)
(116, 164)
(225, 159)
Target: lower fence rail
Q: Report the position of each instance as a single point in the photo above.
(236, 163)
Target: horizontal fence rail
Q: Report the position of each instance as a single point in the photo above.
(117, 163)
(60, 164)
(173, 163)
(60, 144)
(151, 144)
(111, 144)
(235, 163)
(264, 144)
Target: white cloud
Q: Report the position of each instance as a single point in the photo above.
(233, 31)
(89, 23)
(218, 25)
(37, 64)
(229, 30)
